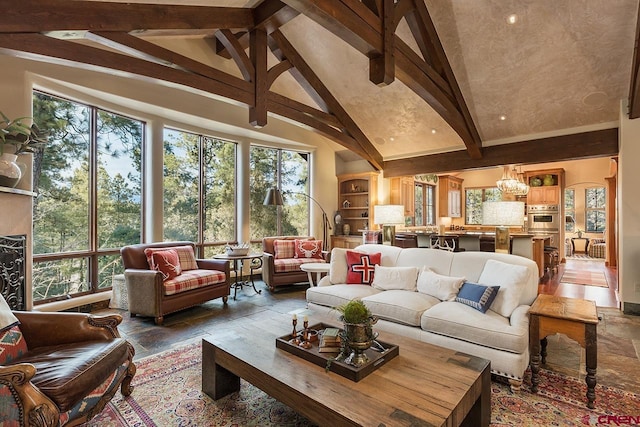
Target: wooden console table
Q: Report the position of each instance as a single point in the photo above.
(577, 319)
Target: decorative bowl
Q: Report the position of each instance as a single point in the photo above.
(237, 251)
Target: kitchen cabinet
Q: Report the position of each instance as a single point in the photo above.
(403, 193)
(549, 190)
(357, 194)
(450, 196)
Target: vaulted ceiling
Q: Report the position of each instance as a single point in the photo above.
(412, 86)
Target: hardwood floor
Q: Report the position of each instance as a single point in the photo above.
(604, 297)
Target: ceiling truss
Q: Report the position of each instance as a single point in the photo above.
(368, 25)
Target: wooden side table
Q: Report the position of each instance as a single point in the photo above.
(581, 239)
(576, 318)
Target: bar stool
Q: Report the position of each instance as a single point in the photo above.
(551, 259)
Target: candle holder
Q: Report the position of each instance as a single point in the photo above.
(305, 343)
(294, 335)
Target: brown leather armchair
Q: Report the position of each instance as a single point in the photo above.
(146, 289)
(70, 357)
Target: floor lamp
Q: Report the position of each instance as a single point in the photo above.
(274, 198)
(503, 215)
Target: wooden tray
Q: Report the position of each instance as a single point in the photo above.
(313, 355)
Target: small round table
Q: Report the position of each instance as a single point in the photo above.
(238, 263)
(315, 267)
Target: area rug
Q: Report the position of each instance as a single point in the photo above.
(584, 277)
(168, 393)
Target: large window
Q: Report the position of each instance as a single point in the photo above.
(474, 197)
(199, 189)
(88, 181)
(595, 202)
(425, 207)
(289, 172)
(570, 210)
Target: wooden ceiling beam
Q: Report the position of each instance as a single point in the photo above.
(31, 16)
(189, 73)
(552, 149)
(151, 51)
(382, 66)
(237, 53)
(258, 53)
(634, 88)
(42, 46)
(357, 25)
(308, 79)
(268, 15)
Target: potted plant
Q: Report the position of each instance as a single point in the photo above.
(579, 233)
(358, 332)
(23, 138)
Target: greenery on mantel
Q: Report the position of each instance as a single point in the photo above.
(25, 138)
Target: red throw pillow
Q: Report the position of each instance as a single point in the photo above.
(361, 266)
(308, 249)
(167, 262)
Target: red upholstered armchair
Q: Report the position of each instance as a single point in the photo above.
(60, 369)
(280, 266)
(187, 282)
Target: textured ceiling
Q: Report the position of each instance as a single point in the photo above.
(563, 64)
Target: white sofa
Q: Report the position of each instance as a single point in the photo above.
(502, 339)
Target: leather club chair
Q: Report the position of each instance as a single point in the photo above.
(72, 366)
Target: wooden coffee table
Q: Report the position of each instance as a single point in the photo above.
(423, 385)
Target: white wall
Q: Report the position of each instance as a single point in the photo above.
(629, 210)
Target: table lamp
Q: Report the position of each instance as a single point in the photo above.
(502, 215)
(388, 216)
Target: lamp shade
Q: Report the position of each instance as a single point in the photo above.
(388, 214)
(274, 197)
(502, 213)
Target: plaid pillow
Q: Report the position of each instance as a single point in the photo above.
(12, 345)
(186, 257)
(308, 248)
(284, 249)
(166, 262)
(361, 267)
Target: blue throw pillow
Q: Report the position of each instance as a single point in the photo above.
(477, 296)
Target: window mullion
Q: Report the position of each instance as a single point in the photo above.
(93, 200)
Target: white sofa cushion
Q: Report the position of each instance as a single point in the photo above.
(390, 278)
(511, 278)
(400, 306)
(445, 288)
(335, 295)
(488, 329)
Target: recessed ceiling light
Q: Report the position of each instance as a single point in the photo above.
(392, 139)
(512, 19)
(433, 131)
(503, 117)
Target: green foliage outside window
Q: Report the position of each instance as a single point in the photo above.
(595, 202)
(86, 145)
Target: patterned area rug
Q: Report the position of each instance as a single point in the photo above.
(585, 277)
(168, 393)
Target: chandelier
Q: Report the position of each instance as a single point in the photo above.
(512, 182)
